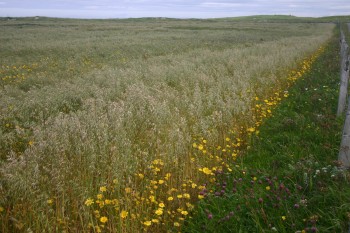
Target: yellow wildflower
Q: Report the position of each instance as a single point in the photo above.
(176, 224)
(283, 218)
(155, 220)
(103, 219)
(187, 196)
(167, 176)
(184, 212)
(161, 205)
(50, 201)
(206, 171)
(1, 209)
(170, 198)
(103, 189)
(161, 182)
(141, 176)
(99, 196)
(147, 223)
(124, 214)
(89, 202)
(268, 188)
(251, 129)
(200, 197)
(159, 211)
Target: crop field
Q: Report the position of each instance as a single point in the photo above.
(119, 125)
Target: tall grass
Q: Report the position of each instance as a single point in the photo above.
(130, 111)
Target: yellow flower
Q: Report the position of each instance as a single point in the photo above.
(161, 182)
(161, 205)
(206, 171)
(268, 188)
(193, 185)
(179, 196)
(103, 189)
(254, 178)
(283, 218)
(251, 129)
(155, 220)
(170, 198)
(200, 147)
(184, 212)
(147, 223)
(152, 198)
(227, 139)
(103, 219)
(50, 201)
(89, 202)
(187, 196)
(200, 197)
(1, 209)
(141, 176)
(176, 224)
(159, 211)
(124, 214)
(107, 201)
(194, 145)
(167, 176)
(99, 196)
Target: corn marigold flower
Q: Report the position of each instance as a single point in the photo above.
(89, 202)
(184, 212)
(103, 219)
(159, 211)
(161, 182)
(161, 205)
(147, 223)
(124, 214)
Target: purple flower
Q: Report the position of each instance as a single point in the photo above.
(210, 216)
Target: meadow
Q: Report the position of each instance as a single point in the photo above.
(118, 125)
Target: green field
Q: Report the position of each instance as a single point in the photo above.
(114, 125)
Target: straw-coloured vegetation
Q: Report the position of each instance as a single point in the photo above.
(118, 125)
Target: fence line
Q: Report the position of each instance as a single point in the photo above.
(344, 152)
(344, 74)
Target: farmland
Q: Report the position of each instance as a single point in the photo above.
(116, 125)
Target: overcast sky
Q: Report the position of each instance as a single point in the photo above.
(171, 8)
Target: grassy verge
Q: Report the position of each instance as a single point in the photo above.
(288, 181)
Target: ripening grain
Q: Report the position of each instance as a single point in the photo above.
(116, 125)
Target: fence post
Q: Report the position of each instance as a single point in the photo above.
(344, 74)
(344, 152)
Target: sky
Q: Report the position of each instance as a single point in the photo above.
(171, 8)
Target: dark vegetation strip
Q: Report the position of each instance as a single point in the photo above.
(289, 179)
